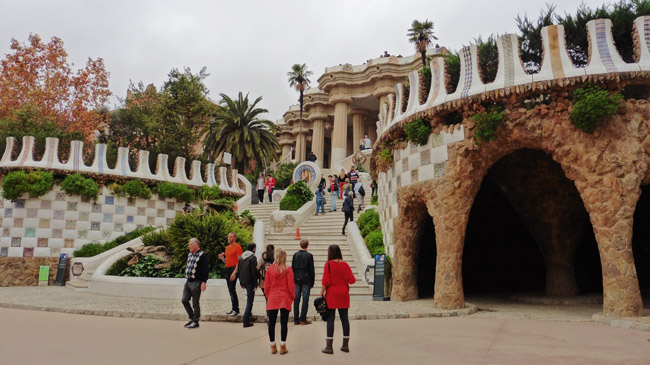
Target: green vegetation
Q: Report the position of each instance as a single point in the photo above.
(591, 104)
(206, 192)
(421, 35)
(487, 123)
(418, 131)
(76, 184)
(175, 191)
(137, 189)
(373, 200)
(368, 221)
(452, 68)
(93, 249)
(36, 183)
(488, 55)
(297, 195)
(156, 238)
(247, 215)
(283, 175)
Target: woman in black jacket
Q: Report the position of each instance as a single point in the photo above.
(348, 210)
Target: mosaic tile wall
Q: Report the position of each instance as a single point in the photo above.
(412, 164)
(59, 223)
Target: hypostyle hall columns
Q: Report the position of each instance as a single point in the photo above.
(340, 131)
(318, 141)
(301, 145)
(358, 117)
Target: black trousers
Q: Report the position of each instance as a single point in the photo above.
(192, 291)
(270, 195)
(260, 195)
(232, 285)
(348, 216)
(345, 323)
(284, 320)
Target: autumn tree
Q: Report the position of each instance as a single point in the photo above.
(38, 76)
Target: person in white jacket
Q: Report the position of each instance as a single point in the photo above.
(360, 192)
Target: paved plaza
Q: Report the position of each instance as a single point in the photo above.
(500, 332)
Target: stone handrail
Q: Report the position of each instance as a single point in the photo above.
(359, 249)
(75, 163)
(511, 76)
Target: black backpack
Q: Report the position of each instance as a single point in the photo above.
(362, 191)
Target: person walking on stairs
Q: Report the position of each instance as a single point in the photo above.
(348, 210)
(320, 200)
(360, 193)
(337, 278)
(263, 266)
(280, 290)
(333, 190)
(304, 277)
(247, 272)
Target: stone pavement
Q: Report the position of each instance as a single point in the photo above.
(37, 337)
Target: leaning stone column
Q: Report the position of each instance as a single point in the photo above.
(340, 132)
(611, 208)
(405, 257)
(358, 116)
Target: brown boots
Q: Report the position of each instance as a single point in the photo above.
(344, 347)
(274, 349)
(283, 349)
(328, 346)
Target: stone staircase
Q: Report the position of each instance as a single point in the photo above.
(321, 231)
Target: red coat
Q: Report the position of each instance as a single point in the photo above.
(270, 183)
(337, 278)
(279, 288)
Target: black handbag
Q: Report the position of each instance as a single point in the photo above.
(320, 303)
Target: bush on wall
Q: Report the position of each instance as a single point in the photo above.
(36, 183)
(297, 195)
(76, 184)
(137, 189)
(417, 132)
(591, 104)
(92, 249)
(487, 123)
(175, 191)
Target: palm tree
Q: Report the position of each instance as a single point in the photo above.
(237, 129)
(421, 33)
(299, 78)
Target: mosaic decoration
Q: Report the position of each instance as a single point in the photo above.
(305, 173)
(508, 63)
(467, 59)
(554, 50)
(646, 33)
(603, 49)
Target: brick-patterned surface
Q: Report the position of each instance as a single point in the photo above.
(59, 223)
(411, 165)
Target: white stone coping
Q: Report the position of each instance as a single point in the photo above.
(359, 249)
(291, 219)
(259, 237)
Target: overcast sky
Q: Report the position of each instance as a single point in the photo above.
(249, 46)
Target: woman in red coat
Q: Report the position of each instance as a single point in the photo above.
(337, 278)
(280, 293)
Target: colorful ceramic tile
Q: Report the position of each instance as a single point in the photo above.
(405, 164)
(108, 218)
(85, 199)
(439, 169)
(160, 213)
(425, 157)
(414, 175)
(131, 202)
(30, 232)
(83, 234)
(42, 242)
(119, 227)
(94, 226)
(57, 233)
(18, 222)
(97, 208)
(60, 196)
(43, 223)
(28, 251)
(58, 214)
(46, 204)
(110, 200)
(106, 235)
(170, 205)
(83, 216)
(119, 209)
(20, 203)
(151, 204)
(32, 212)
(150, 221)
(72, 206)
(68, 243)
(6, 232)
(139, 226)
(4, 251)
(9, 212)
(141, 212)
(70, 224)
(169, 220)
(509, 66)
(129, 219)
(603, 47)
(15, 241)
(437, 139)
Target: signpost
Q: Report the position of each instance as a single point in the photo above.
(378, 289)
(43, 276)
(60, 271)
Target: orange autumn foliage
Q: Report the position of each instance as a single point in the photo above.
(38, 76)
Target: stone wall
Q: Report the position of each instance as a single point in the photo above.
(24, 271)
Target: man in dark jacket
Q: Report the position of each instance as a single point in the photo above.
(247, 270)
(302, 265)
(196, 274)
(348, 210)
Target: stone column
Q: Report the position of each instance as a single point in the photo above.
(286, 149)
(372, 132)
(358, 116)
(340, 132)
(318, 142)
(301, 146)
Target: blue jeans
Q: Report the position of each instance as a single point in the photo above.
(250, 295)
(333, 200)
(320, 203)
(302, 290)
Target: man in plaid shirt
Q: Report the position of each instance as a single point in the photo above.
(196, 273)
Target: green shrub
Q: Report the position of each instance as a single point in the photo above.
(206, 192)
(36, 183)
(247, 214)
(119, 266)
(297, 195)
(386, 155)
(144, 268)
(175, 191)
(137, 189)
(375, 243)
(211, 230)
(76, 184)
(373, 199)
(283, 175)
(591, 104)
(92, 249)
(486, 124)
(368, 221)
(417, 132)
(158, 238)
(452, 68)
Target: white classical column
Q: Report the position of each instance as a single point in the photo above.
(318, 142)
(301, 146)
(372, 131)
(358, 117)
(340, 131)
(286, 150)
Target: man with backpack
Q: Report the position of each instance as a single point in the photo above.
(247, 268)
(360, 193)
(304, 275)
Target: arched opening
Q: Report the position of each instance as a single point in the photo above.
(528, 231)
(641, 241)
(426, 253)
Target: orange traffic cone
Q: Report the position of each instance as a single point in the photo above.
(235, 206)
(297, 233)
